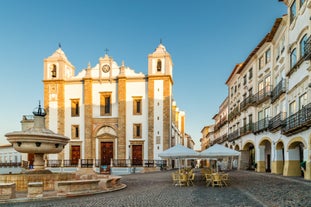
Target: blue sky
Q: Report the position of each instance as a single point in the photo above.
(205, 38)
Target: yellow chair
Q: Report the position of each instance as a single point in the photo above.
(191, 178)
(183, 179)
(216, 180)
(225, 178)
(208, 179)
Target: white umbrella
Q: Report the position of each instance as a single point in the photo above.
(179, 151)
(219, 151)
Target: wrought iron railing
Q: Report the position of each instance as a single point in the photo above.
(248, 128)
(235, 112)
(234, 135)
(277, 121)
(248, 101)
(10, 164)
(54, 163)
(298, 122)
(278, 90)
(86, 163)
(220, 139)
(70, 163)
(263, 94)
(261, 125)
(120, 162)
(161, 163)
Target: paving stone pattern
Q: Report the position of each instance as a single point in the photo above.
(156, 189)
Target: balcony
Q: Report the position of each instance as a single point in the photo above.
(261, 125)
(308, 49)
(248, 101)
(278, 90)
(235, 112)
(248, 128)
(298, 122)
(276, 122)
(220, 139)
(263, 95)
(221, 123)
(234, 135)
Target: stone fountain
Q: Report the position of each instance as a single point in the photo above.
(37, 140)
(40, 141)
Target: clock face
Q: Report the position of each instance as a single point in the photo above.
(106, 68)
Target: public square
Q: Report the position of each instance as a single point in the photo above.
(246, 188)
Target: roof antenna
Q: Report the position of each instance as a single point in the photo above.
(161, 41)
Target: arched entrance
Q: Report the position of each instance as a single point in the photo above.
(247, 161)
(105, 145)
(264, 156)
(296, 155)
(278, 161)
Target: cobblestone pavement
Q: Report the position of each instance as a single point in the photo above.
(156, 189)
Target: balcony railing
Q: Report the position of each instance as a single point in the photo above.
(138, 163)
(248, 101)
(307, 49)
(263, 95)
(234, 135)
(261, 125)
(235, 112)
(277, 121)
(297, 122)
(10, 164)
(221, 123)
(220, 139)
(54, 163)
(278, 90)
(248, 128)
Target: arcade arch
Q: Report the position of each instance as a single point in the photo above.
(296, 153)
(264, 155)
(247, 161)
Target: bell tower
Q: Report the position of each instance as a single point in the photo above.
(160, 82)
(58, 67)
(160, 62)
(57, 70)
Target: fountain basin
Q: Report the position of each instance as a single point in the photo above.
(30, 143)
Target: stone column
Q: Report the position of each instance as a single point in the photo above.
(261, 163)
(292, 164)
(38, 162)
(278, 162)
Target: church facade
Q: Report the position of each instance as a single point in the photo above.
(110, 111)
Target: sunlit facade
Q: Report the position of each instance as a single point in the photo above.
(110, 111)
(269, 111)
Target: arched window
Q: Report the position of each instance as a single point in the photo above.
(293, 11)
(159, 66)
(53, 71)
(293, 58)
(302, 46)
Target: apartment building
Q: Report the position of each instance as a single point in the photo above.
(269, 107)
